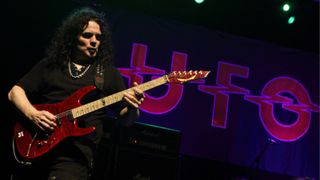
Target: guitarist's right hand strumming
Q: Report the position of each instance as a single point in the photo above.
(41, 118)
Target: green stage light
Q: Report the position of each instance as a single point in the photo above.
(291, 20)
(286, 7)
(199, 1)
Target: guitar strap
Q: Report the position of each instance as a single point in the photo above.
(99, 76)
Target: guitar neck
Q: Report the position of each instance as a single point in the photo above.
(111, 99)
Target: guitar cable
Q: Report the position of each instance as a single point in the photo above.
(16, 157)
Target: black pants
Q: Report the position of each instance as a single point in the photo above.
(62, 168)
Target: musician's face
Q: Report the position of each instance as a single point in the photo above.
(89, 40)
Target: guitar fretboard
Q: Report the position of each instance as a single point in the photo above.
(108, 100)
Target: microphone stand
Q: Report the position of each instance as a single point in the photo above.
(258, 158)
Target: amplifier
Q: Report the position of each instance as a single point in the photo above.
(139, 165)
(146, 137)
(151, 138)
(140, 151)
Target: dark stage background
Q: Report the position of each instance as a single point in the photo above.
(262, 92)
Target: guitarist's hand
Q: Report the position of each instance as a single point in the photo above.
(135, 97)
(44, 120)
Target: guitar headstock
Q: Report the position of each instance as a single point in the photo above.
(185, 76)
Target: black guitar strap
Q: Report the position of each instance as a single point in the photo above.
(99, 76)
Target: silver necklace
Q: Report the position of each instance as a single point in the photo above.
(79, 75)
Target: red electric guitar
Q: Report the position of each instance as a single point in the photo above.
(30, 142)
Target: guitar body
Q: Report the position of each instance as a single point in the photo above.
(31, 142)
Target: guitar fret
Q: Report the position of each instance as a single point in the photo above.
(103, 102)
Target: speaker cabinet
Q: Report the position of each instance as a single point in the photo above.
(138, 152)
(136, 165)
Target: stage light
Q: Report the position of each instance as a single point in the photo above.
(288, 10)
(286, 7)
(199, 1)
(291, 20)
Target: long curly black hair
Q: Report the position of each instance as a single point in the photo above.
(65, 38)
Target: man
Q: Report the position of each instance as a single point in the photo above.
(80, 55)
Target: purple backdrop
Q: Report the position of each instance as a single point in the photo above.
(257, 94)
